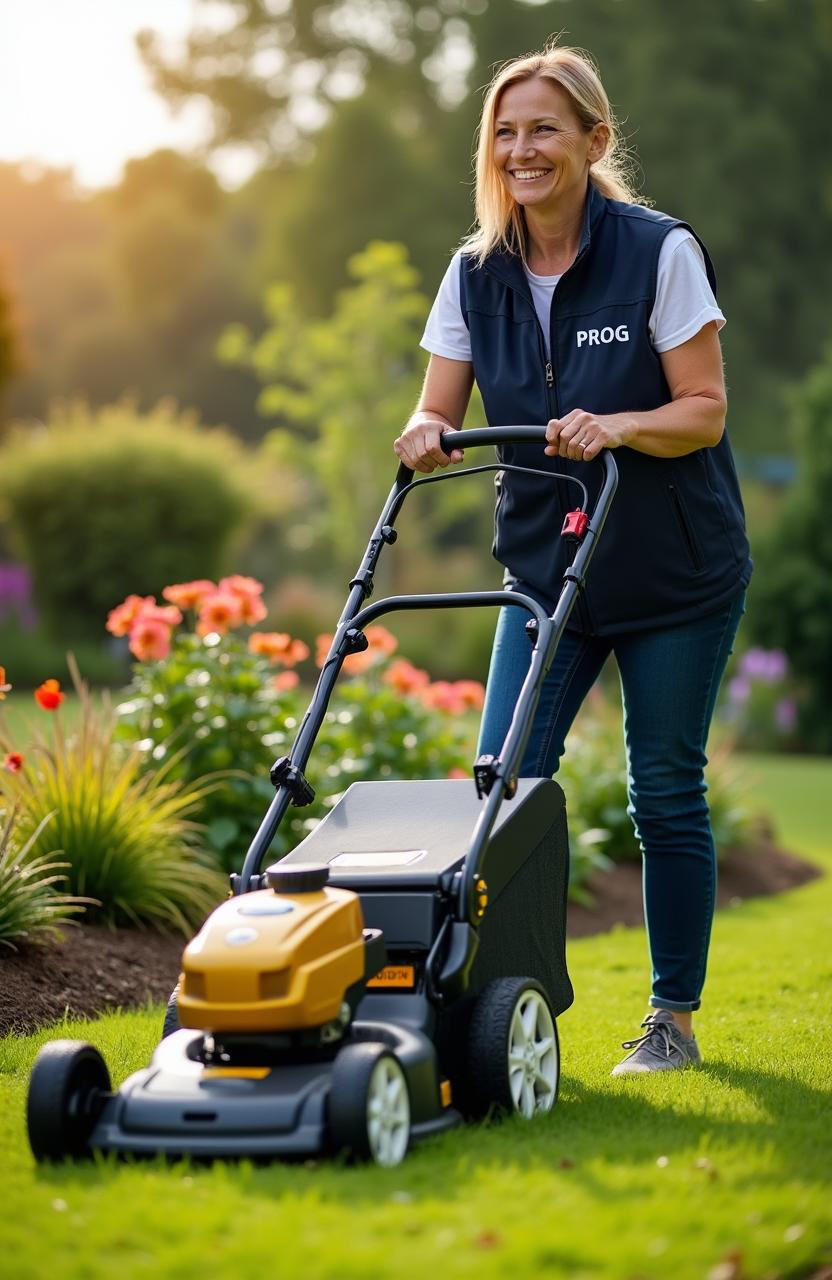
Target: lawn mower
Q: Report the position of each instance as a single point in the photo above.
(400, 970)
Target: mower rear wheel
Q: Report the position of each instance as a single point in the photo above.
(67, 1087)
(369, 1105)
(513, 1050)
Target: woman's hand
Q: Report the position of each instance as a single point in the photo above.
(419, 444)
(581, 435)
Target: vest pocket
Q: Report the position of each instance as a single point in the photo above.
(685, 528)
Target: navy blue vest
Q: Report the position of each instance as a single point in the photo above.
(674, 545)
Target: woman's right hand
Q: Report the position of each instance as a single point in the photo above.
(419, 446)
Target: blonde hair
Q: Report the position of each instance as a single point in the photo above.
(500, 221)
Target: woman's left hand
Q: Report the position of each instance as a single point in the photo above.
(581, 435)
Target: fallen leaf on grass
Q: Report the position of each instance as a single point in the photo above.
(488, 1240)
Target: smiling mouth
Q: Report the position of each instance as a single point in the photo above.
(529, 175)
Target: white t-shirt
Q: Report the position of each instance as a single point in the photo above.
(684, 301)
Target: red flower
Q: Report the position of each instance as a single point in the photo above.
(150, 638)
(49, 695)
(13, 762)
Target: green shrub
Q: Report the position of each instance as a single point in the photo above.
(791, 596)
(593, 773)
(105, 502)
(126, 835)
(31, 905)
(221, 706)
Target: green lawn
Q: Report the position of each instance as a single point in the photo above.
(660, 1177)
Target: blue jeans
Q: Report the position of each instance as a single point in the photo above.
(669, 682)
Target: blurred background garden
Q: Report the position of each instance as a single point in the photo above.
(207, 348)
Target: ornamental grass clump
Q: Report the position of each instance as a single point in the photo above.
(32, 904)
(127, 836)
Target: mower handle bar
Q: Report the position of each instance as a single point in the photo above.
(354, 616)
(451, 440)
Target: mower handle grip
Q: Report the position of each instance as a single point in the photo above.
(451, 440)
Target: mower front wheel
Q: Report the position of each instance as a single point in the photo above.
(369, 1105)
(513, 1050)
(67, 1087)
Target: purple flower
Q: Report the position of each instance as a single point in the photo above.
(16, 595)
(785, 714)
(767, 665)
(739, 689)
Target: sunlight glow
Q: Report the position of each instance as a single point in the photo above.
(73, 91)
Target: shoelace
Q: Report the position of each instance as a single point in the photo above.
(653, 1028)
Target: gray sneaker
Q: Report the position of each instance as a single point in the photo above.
(663, 1047)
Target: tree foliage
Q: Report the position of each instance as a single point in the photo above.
(719, 98)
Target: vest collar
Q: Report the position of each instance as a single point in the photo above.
(508, 267)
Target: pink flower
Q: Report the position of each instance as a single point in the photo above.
(219, 612)
(286, 680)
(167, 614)
(456, 772)
(248, 591)
(239, 585)
(443, 696)
(149, 639)
(121, 619)
(189, 595)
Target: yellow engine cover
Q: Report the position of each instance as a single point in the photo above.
(273, 962)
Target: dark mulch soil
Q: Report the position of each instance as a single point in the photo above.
(94, 968)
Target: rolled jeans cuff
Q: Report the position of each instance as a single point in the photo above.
(675, 1006)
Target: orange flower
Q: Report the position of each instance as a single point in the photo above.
(286, 680)
(4, 688)
(239, 585)
(404, 677)
(189, 595)
(13, 762)
(443, 696)
(219, 612)
(49, 696)
(380, 645)
(278, 646)
(471, 692)
(121, 619)
(381, 641)
(149, 639)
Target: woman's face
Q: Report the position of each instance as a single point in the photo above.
(541, 151)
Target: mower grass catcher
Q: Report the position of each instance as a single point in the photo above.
(399, 970)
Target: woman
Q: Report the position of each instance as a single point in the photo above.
(574, 305)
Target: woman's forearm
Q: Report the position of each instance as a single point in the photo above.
(674, 429)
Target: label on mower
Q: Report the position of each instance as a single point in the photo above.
(395, 975)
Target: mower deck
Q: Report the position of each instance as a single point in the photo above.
(178, 1106)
